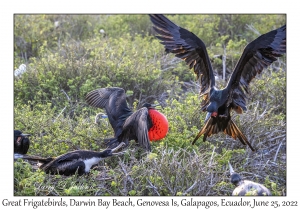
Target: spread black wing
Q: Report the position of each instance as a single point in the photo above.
(113, 100)
(138, 125)
(257, 55)
(187, 46)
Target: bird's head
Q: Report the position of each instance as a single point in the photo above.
(150, 106)
(106, 153)
(18, 135)
(111, 152)
(213, 109)
(235, 178)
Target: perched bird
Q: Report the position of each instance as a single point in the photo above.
(144, 125)
(67, 164)
(21, 142)
(245, 187)
(257, 55)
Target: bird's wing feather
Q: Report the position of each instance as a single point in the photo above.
(69, 168)
(25, 144)
(61, 160)
(138, 123)
(187, 46)
(256, 56)
(113, 100)
(68, 157)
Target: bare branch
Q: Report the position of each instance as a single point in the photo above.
(275, 157)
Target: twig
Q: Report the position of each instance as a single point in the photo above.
(277, 137)
(190, 188)
(62, 90)
(59, 114)
(103, 179)
(277, 152)
(211, 179)
(211, 157)
(224, 61)
(251, 28)
(262, 114)
(153, 187)
(126, 174)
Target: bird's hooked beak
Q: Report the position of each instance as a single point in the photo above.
(156, 105)
(212, 108)
(230, 168)
(118, 147)
(24, 134)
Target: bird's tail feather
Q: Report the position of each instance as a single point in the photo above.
(36, 158)
(214, 126)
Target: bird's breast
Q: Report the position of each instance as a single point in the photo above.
(160, 125)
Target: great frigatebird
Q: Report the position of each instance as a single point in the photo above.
(79, 161)
(21, 142)
(257, 55)
(143, 126)
(246, 187)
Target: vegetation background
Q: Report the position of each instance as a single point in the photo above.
(69, 55)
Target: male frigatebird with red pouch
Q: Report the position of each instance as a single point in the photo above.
(145, 125)
(256, 56)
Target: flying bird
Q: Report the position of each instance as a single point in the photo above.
(79, 161)
(218, 104)
(246, 187)
(21, 142)
(145, 125)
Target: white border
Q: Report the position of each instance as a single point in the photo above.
(153, 6)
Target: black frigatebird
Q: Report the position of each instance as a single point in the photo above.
(21, 142)
(143, 126)
(256, 56)
(79, 161)
(246, 187)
